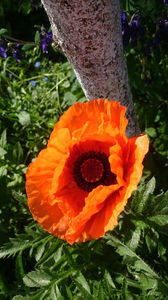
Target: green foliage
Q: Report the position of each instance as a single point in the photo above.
(115, 267)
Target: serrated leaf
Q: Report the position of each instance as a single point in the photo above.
(69, 98)
(141, 196)
(83, 287)
(151, 243)
(69, 294)
(101, 294)
(15, 245)
(135, 239)
(160, 220)
(161, 249)
(3, 139)
(24, 118)
(3, 171)
(55, 293)
(108, 279)
(130, 256)
(2, 31)
(81, 280)
(39, 252)
(2, 152)
(50, 252)
(37, 279)
(159, 204)
(17, 152)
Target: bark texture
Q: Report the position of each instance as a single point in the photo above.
(89, 33)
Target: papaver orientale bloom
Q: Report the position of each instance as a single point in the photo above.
(81, 182)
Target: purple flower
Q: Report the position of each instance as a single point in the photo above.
(125, 29)
(132, 30)
(37, 64)
(3, 51)
(33, 83)
(46, 39)
(136, 30)
(165, 2)
(45, 78)
(16, 52)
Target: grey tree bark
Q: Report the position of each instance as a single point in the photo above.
(89, 33)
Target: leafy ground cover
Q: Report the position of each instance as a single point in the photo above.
(131, 261)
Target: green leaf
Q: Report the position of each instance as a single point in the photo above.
(55, 293)
(27, 47)
(65, 84)
(17, 153)
(18, 297)
(101, 294)
(147, 283)
(161, 249)
(151, 240)
(3, 171)
(83, 287)
(81, 280)
(15, 245)
(151, 132)
(2, 31)
(140, 198)
(3, 139)
(69, 293)
(130, 257)
(135, 239)
(2, 152)
(108, 279)
(69, 98)
(51, 251)
(24, 118)
(37, 37)
(19, 270)
(160, 220)
(124, 290)
(39, 252)
(159, 204)
(37, 279)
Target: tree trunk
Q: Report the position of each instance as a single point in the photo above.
(89, 33)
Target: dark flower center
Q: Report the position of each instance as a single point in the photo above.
(92, 169)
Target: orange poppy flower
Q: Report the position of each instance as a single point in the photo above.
(81, 182)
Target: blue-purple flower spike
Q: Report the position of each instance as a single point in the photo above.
(3, 51)
(16, 52)
(136, 30)
(132, 30)
(46, 39)
(125, 29)
(33, 83)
